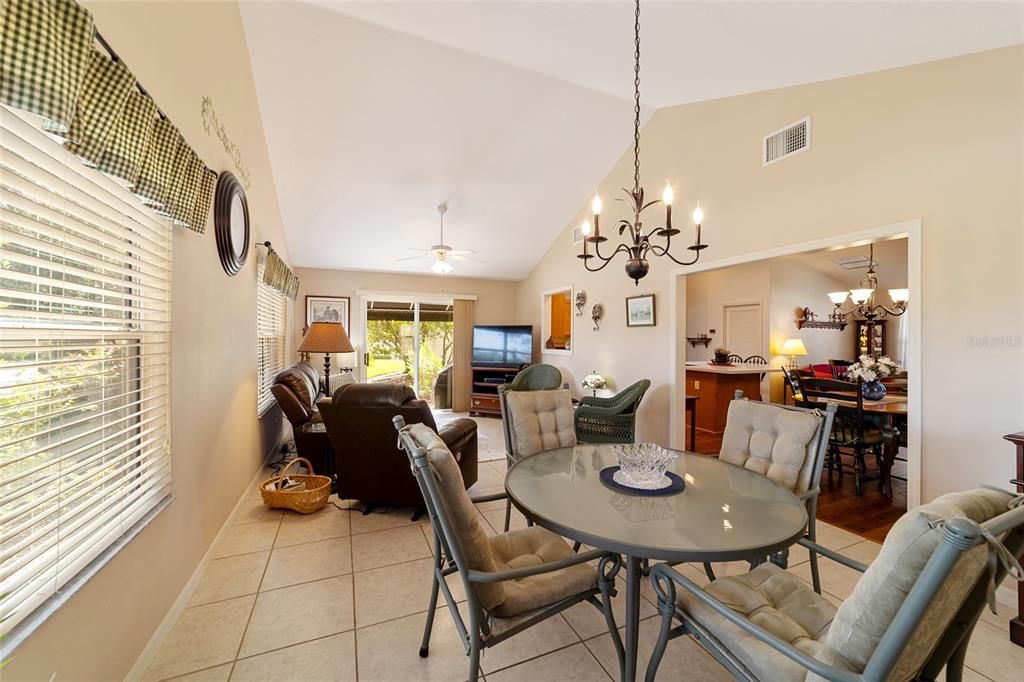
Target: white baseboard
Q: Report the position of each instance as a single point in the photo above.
(149, 652)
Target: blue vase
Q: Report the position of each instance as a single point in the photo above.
(872, 390)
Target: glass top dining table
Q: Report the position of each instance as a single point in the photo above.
(725, 513)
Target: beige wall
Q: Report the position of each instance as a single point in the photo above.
(941, 142)
(707, 293)
(495, 302)
(181, 52)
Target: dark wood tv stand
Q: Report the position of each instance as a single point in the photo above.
(483, 399)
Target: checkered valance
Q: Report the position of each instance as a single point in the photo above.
(51, 66)
(278, 275)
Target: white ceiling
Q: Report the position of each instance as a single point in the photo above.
(890, 268)
(513, 111)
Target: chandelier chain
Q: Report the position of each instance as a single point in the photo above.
(636, 108)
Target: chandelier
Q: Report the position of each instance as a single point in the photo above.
(863, 299)
(639, 244)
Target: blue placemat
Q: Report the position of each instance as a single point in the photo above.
(677, 484)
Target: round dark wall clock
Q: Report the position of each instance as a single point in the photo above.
(231, 223)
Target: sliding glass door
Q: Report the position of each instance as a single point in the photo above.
(411, 342)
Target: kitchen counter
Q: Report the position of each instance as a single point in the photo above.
(738, 368)
(716, 386)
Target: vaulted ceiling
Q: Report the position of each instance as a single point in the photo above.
(512, 112)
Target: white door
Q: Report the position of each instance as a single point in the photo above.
(744, 330)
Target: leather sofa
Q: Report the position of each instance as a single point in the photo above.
(297, 389)
(368, 463)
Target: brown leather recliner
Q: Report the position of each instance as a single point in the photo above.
(369, 465)
(297, 389)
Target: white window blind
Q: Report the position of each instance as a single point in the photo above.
(85, 296)
(271, 328)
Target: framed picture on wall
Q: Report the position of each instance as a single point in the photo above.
(328, 309)
(640, 311)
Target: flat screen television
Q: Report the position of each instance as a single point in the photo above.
(502, 345)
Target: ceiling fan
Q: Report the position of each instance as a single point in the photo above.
(442, 253)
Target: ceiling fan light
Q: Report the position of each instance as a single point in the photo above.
(441, 267)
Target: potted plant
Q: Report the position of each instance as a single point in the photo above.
(721, 356)
(594, 382)
(870, 372)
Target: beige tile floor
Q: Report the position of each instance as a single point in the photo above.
(342, 596)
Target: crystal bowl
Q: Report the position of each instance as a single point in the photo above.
(643, 465)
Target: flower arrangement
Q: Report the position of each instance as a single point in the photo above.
(721, 355)
(869, 369)
(594, 382)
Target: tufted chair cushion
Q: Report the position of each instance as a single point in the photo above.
(531, 547)
(540, 420)
(462, 515)
(774, 441)
(867, 613)
(516, 549)
(777, 601)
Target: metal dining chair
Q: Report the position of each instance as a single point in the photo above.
(512, 581)
(538, 377)
(910, 615)
(786, 444)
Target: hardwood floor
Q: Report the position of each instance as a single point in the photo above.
(870, 516)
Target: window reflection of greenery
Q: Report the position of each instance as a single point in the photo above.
(390, 343)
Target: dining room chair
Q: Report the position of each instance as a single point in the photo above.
(536, 421)
(838, 368)
(787, 445)
(538, 377)
(757, 360)
(512, 581)
(793, 377)
(610, 420)
(910, 615)
(853, 429)
(733, 358)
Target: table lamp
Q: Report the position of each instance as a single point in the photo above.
(793, 348)
(326, 338)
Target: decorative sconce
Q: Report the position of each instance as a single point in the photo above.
(595, 314)
(581, 300)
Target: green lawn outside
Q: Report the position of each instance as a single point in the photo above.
(381, 366)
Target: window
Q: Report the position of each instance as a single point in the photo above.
(271, 327)
(85, 316)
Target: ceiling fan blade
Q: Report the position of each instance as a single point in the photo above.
(465, 257)
(422, 255)
(463, 252)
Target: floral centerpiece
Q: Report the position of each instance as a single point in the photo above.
(870, 371)
(594, 382)
(721, 356)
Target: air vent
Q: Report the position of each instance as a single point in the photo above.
(854, 263)
(791, 140)
(577, 235)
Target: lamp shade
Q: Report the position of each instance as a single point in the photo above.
(793, 347)
(326, 337)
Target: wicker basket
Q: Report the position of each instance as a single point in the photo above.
(313, 498)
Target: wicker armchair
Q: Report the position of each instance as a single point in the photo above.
(610, 420)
